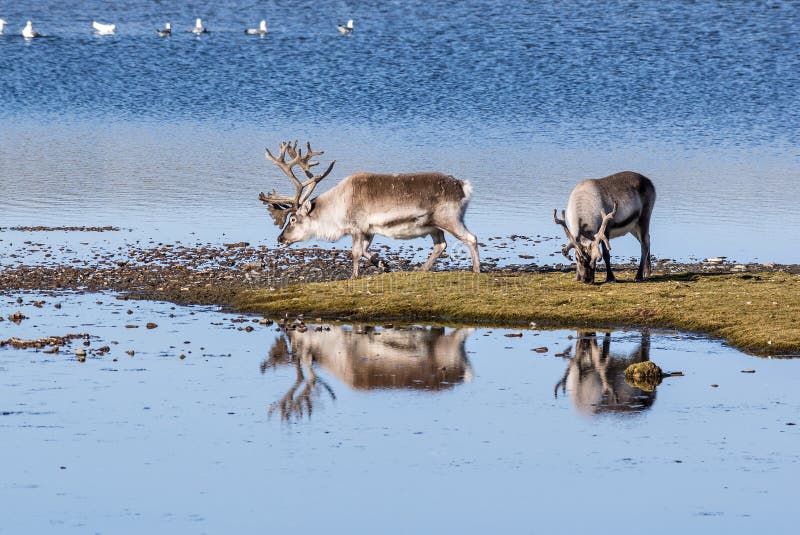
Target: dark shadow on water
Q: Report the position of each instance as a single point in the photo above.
(595, 377)
(366, 358)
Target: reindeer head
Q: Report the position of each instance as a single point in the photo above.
(296, 210)
(587, 251)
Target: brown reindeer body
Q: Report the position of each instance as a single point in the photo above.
(400, 206)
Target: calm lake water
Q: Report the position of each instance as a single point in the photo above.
(362, 429)
(166, 136)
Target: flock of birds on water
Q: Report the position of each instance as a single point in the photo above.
(109, 29)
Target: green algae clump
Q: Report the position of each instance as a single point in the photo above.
(644, 375)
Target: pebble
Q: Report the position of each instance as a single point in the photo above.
(17, 317)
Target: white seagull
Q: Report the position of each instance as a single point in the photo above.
(2, 25)
(27, 31)
(166, 31)
(103, 29)
(261, 30)
(198, 27)
(345, 29)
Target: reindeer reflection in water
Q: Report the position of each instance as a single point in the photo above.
(366, 358)
(595, 378)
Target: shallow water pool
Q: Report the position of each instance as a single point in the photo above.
(371, 428)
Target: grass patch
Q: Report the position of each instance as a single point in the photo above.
(754, 312)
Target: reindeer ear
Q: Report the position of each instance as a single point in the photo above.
(306, 208)
(278, 214)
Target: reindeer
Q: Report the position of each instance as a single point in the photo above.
(362, 205)
(605, 208)
(595, 378)
(366, 359)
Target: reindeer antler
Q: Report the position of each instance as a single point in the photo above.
(286, 167)
(280, 205)
(601, 233)
(572, 240)
(306, 164)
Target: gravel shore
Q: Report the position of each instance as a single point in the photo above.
(215, 273)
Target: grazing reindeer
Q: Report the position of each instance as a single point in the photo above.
(605, 208)
(595, 378)
(365, 204)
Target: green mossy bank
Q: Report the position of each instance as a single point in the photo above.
(759, 312)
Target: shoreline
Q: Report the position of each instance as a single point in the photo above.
(751, 312)
(313, 281)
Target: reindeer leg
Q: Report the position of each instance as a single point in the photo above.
(372, 258)
(645, 265)
(607, 259)
(439, 246)
(458, 230)
(358, 251)
(648, 265)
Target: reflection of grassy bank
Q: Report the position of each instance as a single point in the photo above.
(756, 312)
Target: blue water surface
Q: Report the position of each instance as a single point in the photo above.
(166, 135)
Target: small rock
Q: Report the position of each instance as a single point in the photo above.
(181, 356)
(17, 317)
